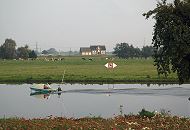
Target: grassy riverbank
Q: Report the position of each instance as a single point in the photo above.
(80, 70)
(131, 122)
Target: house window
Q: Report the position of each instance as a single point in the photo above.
(94, 52)
(103, 52)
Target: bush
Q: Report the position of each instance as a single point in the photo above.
(144, 113)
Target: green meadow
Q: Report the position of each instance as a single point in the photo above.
(80, 70)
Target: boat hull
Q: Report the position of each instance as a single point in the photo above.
(42, 90)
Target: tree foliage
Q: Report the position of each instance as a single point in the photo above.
(147, 51)
(171, 38)
(32, 54)
(50, 51)
(124, 50)
(23, 52)
(45, 52)
(8, 49)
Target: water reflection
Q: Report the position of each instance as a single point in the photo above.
(42, 95)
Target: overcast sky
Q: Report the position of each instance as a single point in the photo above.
(65, 24)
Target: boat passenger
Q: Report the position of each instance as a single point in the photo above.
(59, 89)
(45, 86)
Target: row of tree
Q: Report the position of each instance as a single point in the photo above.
(124, 50)
(8, 51)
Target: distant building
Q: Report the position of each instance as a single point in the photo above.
(93, 50)
(85, 51)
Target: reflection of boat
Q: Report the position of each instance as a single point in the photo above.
(44, 94)
(40, 95)
(45, 88)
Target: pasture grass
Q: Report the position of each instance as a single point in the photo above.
(79, 70)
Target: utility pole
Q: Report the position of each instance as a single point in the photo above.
(70, 52)
(36, 46)
(144, 41)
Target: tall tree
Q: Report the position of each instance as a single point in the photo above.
(32, 54)
(171, 38)
(122, 50)
(23, 52)
(8, 49)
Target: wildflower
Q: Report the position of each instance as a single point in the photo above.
(130, 129)
(146, 128)
(132, 123)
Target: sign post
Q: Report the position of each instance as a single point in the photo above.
(110, 65)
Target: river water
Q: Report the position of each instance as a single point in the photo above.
(107, 100)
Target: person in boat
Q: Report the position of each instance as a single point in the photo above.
(59, 89)
(45, 86)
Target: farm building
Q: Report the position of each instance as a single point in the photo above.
(93, 50)
(85, 51)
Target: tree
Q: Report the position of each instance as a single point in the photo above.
(45, 52)
(171, 38)
(23, 52)
(8, 49)
(137, 52)
(32, 54)
(52, 51)
(1, 53)
(122, 50)
(147, 51)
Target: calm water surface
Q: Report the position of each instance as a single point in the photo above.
(93, 100)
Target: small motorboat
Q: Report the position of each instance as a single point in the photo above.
(44, 88)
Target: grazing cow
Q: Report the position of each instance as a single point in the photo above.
(84, 58)
(20, 59)
(90, 59)
(46, 59)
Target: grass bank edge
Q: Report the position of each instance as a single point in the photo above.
(93, 81)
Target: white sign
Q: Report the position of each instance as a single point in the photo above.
(110, 65)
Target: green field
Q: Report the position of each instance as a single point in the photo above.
(79, 70)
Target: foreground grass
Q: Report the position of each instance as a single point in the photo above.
(78, 70)
(131, 122)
